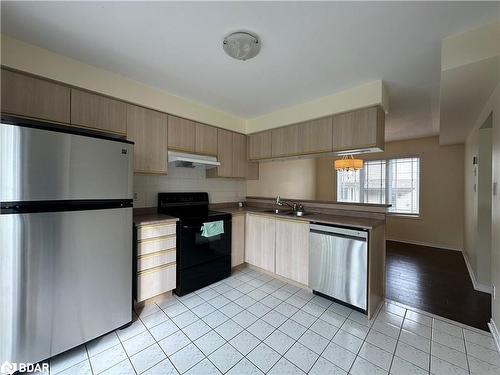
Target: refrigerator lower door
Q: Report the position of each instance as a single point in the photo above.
(38, 164)
(66, 278)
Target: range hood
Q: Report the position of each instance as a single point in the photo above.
(186, 160)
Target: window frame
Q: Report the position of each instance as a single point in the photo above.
(387, 184)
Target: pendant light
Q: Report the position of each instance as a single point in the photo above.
(348, 163)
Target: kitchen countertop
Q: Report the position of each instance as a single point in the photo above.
(153, 218)
(350, 221)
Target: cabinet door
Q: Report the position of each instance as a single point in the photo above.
(181, 134)
(95, 111)
(149, 130)
(259, 145)
(316, 136)
(260, 241)
(285, 141)
(33, 97)
(206, 140)
(238, 240)
(361, 129)
(292, 250)
(225, 153)
(239, 155)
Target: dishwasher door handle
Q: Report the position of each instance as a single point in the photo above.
(350, 237)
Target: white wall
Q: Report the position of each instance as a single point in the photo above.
(185, 179)
(441, 192)
(477, 216)
(494, 106)
(295, 178)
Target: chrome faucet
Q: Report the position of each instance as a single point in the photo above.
(296, 207)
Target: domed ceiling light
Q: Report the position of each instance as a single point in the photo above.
(241, 45)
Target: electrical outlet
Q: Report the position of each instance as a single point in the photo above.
(135, 196)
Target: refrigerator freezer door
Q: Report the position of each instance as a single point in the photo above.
(66, 279)
(38, 164)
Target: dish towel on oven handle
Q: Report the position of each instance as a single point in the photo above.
(212, 228)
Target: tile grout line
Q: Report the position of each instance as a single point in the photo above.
(270, 292)
(397, 341)
(88, 358)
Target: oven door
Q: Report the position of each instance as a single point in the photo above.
(194, 249)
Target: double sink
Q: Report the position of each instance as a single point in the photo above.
(287, 213)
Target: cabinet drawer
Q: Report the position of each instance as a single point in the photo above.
(157, 230)
(156, 259)
(155, 281)
(155, 244)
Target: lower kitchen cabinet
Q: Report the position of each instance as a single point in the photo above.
(292, 250)
(260, 240)
(156, 260)
(238, 240)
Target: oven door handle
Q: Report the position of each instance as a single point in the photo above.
(191, 227)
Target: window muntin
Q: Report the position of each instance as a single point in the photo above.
(395, 181)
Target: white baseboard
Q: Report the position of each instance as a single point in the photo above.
(479, 287)
(496, 336)
(428, 244)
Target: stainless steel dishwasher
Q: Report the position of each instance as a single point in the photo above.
(338, 263)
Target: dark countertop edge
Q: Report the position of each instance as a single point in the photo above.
(324, 202)
(348, 221)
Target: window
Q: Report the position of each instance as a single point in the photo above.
(395, 181)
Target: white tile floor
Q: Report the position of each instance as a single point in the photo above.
(251, 323)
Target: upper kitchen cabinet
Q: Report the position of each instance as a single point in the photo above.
(239, 155)
(28, 96)
(361, 130)
(205, 140)
(285, 141)
(99, 112)
(224, 155)
(232, 155)
(181, 134)
(315, 136)
(149, 130)
(259, 145)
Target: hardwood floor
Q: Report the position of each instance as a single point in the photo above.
(436, 281)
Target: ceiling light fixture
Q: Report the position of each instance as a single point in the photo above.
(241, 45)
(348, 163)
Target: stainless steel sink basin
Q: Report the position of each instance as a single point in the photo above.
(286, 213)
(280, 212)
(303, 214)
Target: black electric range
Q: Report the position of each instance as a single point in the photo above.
(200, 260)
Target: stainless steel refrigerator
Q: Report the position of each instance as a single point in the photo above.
(65, 239)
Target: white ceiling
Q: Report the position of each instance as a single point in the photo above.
(309, 49)
(464, 92)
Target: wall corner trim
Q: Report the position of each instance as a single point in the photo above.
(494, 331)
(477, 286)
